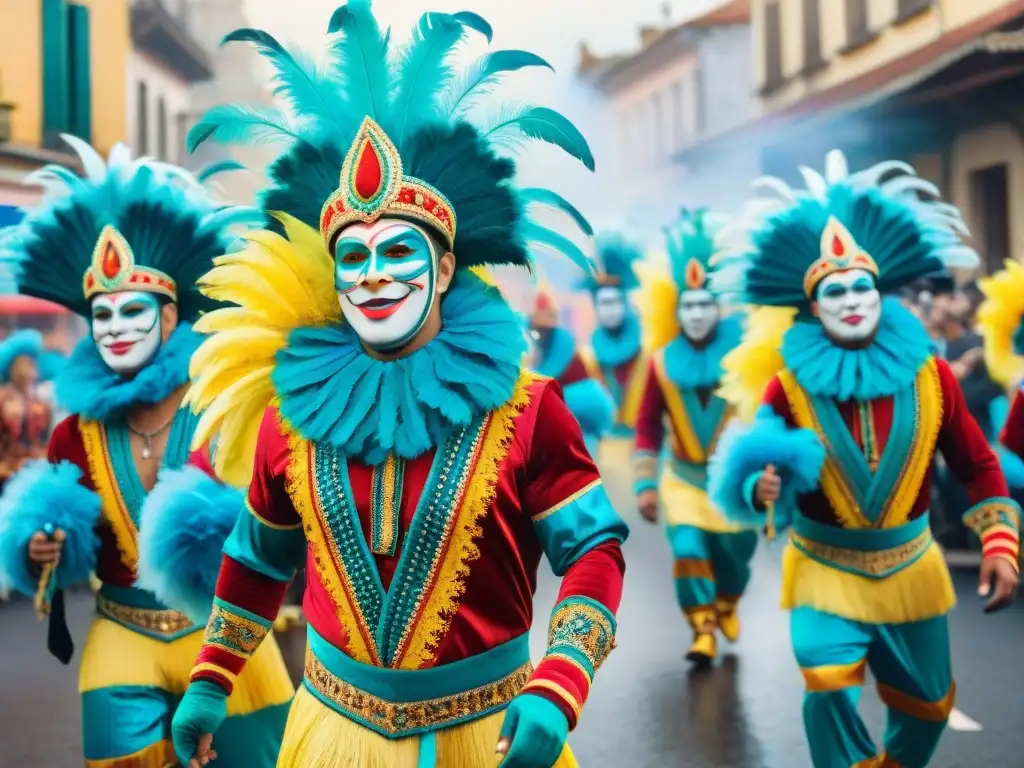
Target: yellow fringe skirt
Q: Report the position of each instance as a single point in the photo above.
(318, 737)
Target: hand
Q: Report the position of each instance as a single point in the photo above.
(647, 501)
(533, 734)
(43, 550)
(1006, 579)
(201, 711)
(768, 488)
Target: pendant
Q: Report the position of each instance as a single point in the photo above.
(147, 450)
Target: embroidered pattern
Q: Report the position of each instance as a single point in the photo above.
(405, 718)
(153, 622)
(94, 438)
(238, 635)
(991, 513)
(582, 630)
(386, 501)
(874, 564)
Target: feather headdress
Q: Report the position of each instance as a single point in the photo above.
(21, 343)
(690, 244)
(1001, 323)
(884, 219)
(616, 258)
(124, 225)
(394, 122)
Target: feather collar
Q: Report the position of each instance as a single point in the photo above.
(559, 354)
(690, 367)
(613, 350)
(889, 364)
(88, 387)
(330, 390)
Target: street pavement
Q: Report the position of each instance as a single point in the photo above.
(646, 710)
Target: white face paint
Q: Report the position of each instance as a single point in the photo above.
(126, 329)
(386, 276)
(849, 305)
(610, 307)
(698, 314)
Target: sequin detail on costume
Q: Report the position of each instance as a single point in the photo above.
(235, 633)
(583, 631)
(386, 501)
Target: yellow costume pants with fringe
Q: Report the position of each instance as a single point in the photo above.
(318, 737)
(131, 683)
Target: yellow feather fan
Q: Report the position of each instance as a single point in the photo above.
(658, 298)
(999, 316)
(749, 368)
(277, 285)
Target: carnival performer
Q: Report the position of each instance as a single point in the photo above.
(122, 246)
(404, 453)
(554, 354)
(684, 325)
(854, 407)
(616, 356)
(25, 417)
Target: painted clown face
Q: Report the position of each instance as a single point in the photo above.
(126, 329)
(698, 314)
(610, 307)
(386, 279)
(849, 306)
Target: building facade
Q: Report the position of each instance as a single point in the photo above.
(933, 82)
(688, 83)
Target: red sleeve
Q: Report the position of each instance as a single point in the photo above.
(775, 398)
(1013, 431)
(200, 459)
(968, 454)
(268, 493)
(575, 371)
(650, 423)
(62, 437)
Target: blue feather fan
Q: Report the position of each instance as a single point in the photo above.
(419, 96)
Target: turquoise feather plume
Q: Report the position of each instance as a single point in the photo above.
(215, 169)
(420, 95)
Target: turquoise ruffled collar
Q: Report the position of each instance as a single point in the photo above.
(331, 391)
(560, 352)
(690, 367)
(612, 351)
(888, 365)
(87, 386)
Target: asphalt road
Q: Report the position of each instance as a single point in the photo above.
(646, 709)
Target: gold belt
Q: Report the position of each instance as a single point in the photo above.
(876, 563)
(151, 621)
(396, 719)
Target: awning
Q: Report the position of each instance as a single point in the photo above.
(26, 305)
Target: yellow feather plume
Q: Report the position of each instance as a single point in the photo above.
(999, 316)
(279, 284)
(658, 298)
(750, 367)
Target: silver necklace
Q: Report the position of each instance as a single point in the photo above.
(147, 437)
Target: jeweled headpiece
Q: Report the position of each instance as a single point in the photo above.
(884, 219)
(125, 225)
(395, 121)
(690, 243)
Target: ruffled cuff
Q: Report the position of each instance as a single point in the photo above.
(42, 494)
(185, 521)
(997, 523)
(580, 637)
(743, 453)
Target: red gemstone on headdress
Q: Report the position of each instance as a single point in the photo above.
(111, 264)
(694, 275)
(368, 172)
(838, 249)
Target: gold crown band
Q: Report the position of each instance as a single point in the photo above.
(839, 253)
(372, 186)
(113, 269)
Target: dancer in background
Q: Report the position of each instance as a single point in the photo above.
(855, 404)
(372, 386)
(711, 555)
(25, 417)
(133, 238)
(555, 354)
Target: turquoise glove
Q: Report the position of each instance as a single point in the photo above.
(201, 711)
(537, 730)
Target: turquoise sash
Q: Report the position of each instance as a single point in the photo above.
(871, 552)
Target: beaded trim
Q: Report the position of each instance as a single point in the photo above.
(386, 501)
(236, 634)
(991, 513)
(404, 718)
(164, 623)
(582, 630)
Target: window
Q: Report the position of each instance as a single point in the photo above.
(772, 47)
(697, 105)
(813, 60)
(161, 129)
(80, 91)
(991, 215)
(659, 126)
(67, 84)
(677, 115)
(905, 9)
(141, 119)
(857, 28)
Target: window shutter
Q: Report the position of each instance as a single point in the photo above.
(80, 101)
(55, 71)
